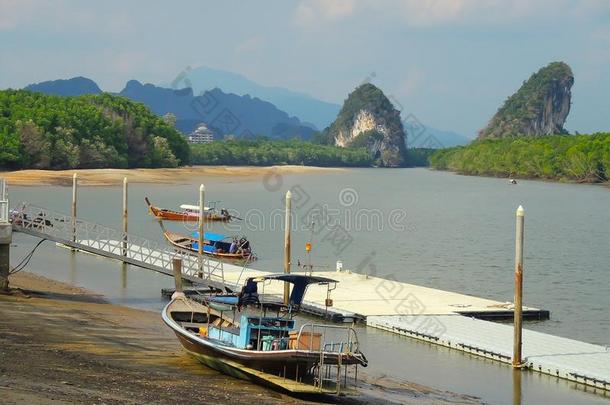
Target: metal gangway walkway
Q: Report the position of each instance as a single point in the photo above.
(101, 240)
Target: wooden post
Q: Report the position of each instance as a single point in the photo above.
(201, 234)
(518, 312)
(287, 225)
(74, 187)
(177, 267)
(125, 216)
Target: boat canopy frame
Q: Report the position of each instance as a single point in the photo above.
(299, 283)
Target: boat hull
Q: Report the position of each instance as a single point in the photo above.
(186, 243)
(171, 215)
(282, 364)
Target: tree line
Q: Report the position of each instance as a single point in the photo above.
(93, 131)
(265, 152)
(581, 158)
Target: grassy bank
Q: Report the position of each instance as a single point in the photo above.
(580, 158)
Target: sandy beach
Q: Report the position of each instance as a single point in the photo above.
(61, 344)
(104, 177)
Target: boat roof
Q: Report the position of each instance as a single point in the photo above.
(295, 278)
(300, 283)
(193, 207)
(212, 237)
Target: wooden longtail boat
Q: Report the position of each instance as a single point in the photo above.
(209, 215)
(236, 335)
(214, 245)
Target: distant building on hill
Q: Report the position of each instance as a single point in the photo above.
(201, 134)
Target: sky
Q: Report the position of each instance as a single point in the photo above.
(449, 63)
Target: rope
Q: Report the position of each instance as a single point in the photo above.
(26, 259)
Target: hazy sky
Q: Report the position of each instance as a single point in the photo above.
(450, 63)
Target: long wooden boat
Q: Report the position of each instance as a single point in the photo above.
(237, 336)
(210, 214)
(214, 245)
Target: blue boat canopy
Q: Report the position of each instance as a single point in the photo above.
(212, 237)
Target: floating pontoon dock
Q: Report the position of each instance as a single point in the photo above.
(565, 358)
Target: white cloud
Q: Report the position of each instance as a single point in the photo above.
(602, 34)
(445, 12)
(484, 12)
(309, 12)
(14, 12)
(62, 16)
(412, 83)
(250, 45)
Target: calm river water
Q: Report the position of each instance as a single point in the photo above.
(429, 228)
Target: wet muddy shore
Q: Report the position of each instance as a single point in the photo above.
(60, 344)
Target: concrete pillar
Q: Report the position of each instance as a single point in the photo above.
(6, 234)
(6, 237)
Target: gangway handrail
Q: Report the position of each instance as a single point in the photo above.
(109, 242)
(4, 204)
(4, 215)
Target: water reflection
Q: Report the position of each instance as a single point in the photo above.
(124, 268)
(72, 267)
(517, 395)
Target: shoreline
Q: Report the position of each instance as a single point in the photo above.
(63, 344)
(544, 180)
(109, 177)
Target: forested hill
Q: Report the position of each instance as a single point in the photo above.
(76, 86)
(540, 107)
(581, 158)
(91, 131)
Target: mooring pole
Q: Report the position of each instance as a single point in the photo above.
(125, 216)
(201, 238)
(6, 237)
(518, 312)
(177, 267)
(287, 246)
(74, 186)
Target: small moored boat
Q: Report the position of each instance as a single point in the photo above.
(241, 335)
(214, 245)
(188, 213)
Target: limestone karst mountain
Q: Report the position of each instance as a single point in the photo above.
(369, 119)
(540, 107)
